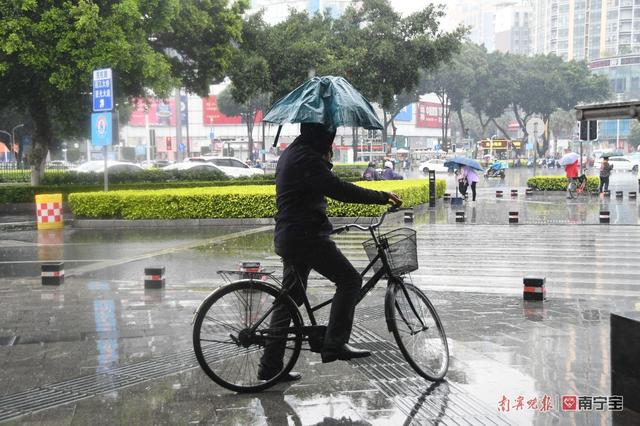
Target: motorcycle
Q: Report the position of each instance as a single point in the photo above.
(497, 169)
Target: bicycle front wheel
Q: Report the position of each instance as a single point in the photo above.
(234, 328)
(418, 331)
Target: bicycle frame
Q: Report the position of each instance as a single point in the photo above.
(381, 245)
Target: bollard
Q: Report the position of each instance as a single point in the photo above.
(52, 273)
(446, 197)
(514, 192)
(154, 277)
(619, 194)
(638, 185)
(513, 217)
(534, 289)
(460, 217)
(498, 194)
(49, 211)
(632, 195)
(604, 216)
(607, 193)
(408, 216)
(528, 192)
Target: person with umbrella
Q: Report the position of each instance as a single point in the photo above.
(467, 175)
(303, 180)
(471, 178)
(570, 162)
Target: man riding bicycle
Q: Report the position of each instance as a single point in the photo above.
(303, 180)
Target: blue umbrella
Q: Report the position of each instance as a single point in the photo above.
(463, 161)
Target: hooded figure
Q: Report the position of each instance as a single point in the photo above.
(388, 173)
(303, 180)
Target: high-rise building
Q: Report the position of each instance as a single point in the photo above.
(277, 10)
(586, 29)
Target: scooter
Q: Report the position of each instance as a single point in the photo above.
(495, 170)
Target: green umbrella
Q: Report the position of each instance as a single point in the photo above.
(327, 100)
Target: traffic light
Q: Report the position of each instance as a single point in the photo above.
(588, 130)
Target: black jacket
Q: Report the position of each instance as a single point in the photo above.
(303, 179)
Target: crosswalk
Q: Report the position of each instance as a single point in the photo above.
(574, 260)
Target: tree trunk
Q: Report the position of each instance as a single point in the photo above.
(384, 131)
(41, 137)
(545, 135)
(250, 120)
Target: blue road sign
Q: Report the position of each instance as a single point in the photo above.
(102, 90)
(101, 128)
(182, 147)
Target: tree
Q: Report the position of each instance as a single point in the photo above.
(48, 51)
(634, 136)
(387, 51)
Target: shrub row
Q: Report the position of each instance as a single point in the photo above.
(251, 201)
(559, 183)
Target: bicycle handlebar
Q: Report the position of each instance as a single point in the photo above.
(392, 209)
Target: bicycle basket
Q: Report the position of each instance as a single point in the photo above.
(400, 248)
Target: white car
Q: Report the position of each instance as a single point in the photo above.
(233, 167)
(97, 166)
(435, 164)
(621, 164)
(192, 165)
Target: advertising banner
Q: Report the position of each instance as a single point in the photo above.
(211, 114)
(161, 113)
(428, 115)
(405, 113)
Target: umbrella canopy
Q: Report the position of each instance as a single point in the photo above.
(569, 158)
(612, 154)
(463, 161)
(327, 100)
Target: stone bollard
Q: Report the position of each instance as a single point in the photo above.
(408, 216)
(604, 216)
(446, 197)
(632, 195)
(498, 194)
(619, 194)
(534, 289)
(460, 217)
(513, 217)
(514, 192)
(52, 273)
(607, 193)
(528, 192)
(154, 277)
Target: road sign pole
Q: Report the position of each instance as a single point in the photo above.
(106, 170)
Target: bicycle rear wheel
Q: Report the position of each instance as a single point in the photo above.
(418, 331)
(226, 348)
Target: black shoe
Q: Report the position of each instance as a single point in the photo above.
(344, 353)
(291, 376)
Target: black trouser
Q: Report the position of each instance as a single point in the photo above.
(473, 190)
(462, 187)
(324, 257)
(604, 183)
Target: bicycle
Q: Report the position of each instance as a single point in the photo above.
(232, 326)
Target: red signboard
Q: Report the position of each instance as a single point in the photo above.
(428, 115)
(161, 113)
(211, 115)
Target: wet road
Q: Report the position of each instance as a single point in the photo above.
(101, 349)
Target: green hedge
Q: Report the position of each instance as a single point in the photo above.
(249, 201)
(559, 183)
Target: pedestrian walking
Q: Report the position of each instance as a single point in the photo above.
(470, 179)
(605, 172)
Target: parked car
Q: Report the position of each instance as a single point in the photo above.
(197, 166)
(232, 166)
(97, 166)
(435, 164)
(621, 164)
(58, 165)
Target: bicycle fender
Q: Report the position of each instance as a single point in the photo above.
(388, 300)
